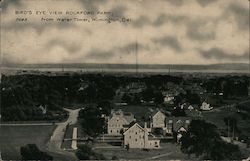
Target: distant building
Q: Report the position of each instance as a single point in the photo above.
(177, 125)
(206, 107)
(168, 99)
(117, 120)
(138, 137)
(43, 109)
(158, 119)
(190, 107)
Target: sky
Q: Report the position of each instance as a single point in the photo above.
(165, 31)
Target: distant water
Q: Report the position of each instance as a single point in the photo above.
(130, 70)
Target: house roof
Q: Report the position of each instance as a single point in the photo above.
(179, 122)
(152, 137)
(129, 117)
(132, 125)
(157, 111)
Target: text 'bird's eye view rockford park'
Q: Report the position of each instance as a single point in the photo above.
(124, 80)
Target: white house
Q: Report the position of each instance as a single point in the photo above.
(158, 119)
(206, 107)
(168, 98)
(43, 109)
(117, 120)
(190, 107)
(138, 137)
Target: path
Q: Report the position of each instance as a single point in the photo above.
(159, 156)
(29, 124)
(55, 142)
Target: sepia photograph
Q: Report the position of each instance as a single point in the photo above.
(124, 80)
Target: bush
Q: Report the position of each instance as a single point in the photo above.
(31, 152)
(85, 152)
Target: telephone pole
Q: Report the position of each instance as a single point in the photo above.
(136, 56)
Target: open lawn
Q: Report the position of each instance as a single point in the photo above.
(13, 137)
(167, 152)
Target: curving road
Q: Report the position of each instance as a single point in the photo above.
(55, 142)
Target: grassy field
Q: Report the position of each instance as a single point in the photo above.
(13, 137)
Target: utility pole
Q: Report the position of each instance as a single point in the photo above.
(169, 69)
(249, 36)
(136, 56)
(233, 134)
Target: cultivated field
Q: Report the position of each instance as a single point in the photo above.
(13, 137)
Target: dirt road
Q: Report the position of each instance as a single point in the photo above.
(55, 142)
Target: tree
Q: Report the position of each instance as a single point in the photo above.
(91, 117)
(203, 140)
(31, 152)
(84, 152)
(159, 98)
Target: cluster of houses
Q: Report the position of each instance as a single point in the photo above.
(141, 134)
(204, 106)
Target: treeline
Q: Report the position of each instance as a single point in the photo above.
(21, 95)
(229, 86)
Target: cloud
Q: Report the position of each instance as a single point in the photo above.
(4, 4)
(164, 18)
(92, 5)
(118, 11)
(131, 48)
(39, 27)
(204, 3)
(175, 2)
(200, 30)
(141, 21)
(169, 41)
(97, 54)
(72, 48)
(240, 14)
(216, 53)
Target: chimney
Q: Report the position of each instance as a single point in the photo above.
(145, 125)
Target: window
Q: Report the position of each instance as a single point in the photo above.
(135, 139)
(135, 133)
(130, 137)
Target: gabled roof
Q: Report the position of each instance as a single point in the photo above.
(133, 125)
(152, 137)
(120, 117)
(182, 129)
(156, 112)
(179, 122)
(127, 116)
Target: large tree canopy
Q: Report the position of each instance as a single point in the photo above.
(203, 140)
